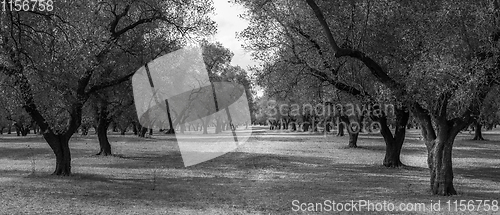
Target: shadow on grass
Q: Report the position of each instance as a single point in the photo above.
(476, 153)
(407, 150)
(24, 153)
(73, 177)
(244, 180)
(280, 138)
(169, 160)
(484, 173)
(226, 179)
(20, 139)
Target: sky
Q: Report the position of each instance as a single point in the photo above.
(228, 23)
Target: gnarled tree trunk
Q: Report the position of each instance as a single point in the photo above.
(439, 147)
(394, 144)
(102, 128)
(440, 164)
(59, 143)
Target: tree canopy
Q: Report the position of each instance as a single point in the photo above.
(58, 59)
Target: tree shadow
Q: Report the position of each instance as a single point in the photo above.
(474, 152)
(168, 160)
(20, 139)
(24, 153)
(484, 173)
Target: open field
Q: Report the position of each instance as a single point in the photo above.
(263, 176)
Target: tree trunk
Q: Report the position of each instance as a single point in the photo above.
(314, 126)
(204, 125)
(353, 139)
(18, 130)
(439, 148)
(143, 132)
(352, 130)
(25, 132)
(102, 135)
(393, 153)
(394, 144)
(353, 133)
(134, 128)
(60, 147)
(440, 164)
(102, 129)
(306, 126)
(478, 135)
(171, 130)
(36, 129)
(340, 127)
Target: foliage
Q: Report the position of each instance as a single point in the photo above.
(94, 42)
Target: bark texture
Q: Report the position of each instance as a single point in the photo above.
(60, 146)
(394, 143)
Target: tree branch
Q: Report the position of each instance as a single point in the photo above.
(317, 47)
(109, 83)
(324, 24)
(374, 67)
(118, 17)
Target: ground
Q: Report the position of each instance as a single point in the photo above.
(264, 176)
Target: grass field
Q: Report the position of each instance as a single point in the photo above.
(264, 176)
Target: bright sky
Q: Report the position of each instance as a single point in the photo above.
(228, 23)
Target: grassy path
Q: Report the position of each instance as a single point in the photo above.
(263, 176)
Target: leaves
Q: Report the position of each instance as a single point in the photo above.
(85, 46)
(428, 48)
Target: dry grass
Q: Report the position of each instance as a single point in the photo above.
(264, 176)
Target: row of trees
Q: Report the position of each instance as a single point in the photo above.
(115, 105)
(68, 70)
(55, 62)
(437, 60)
